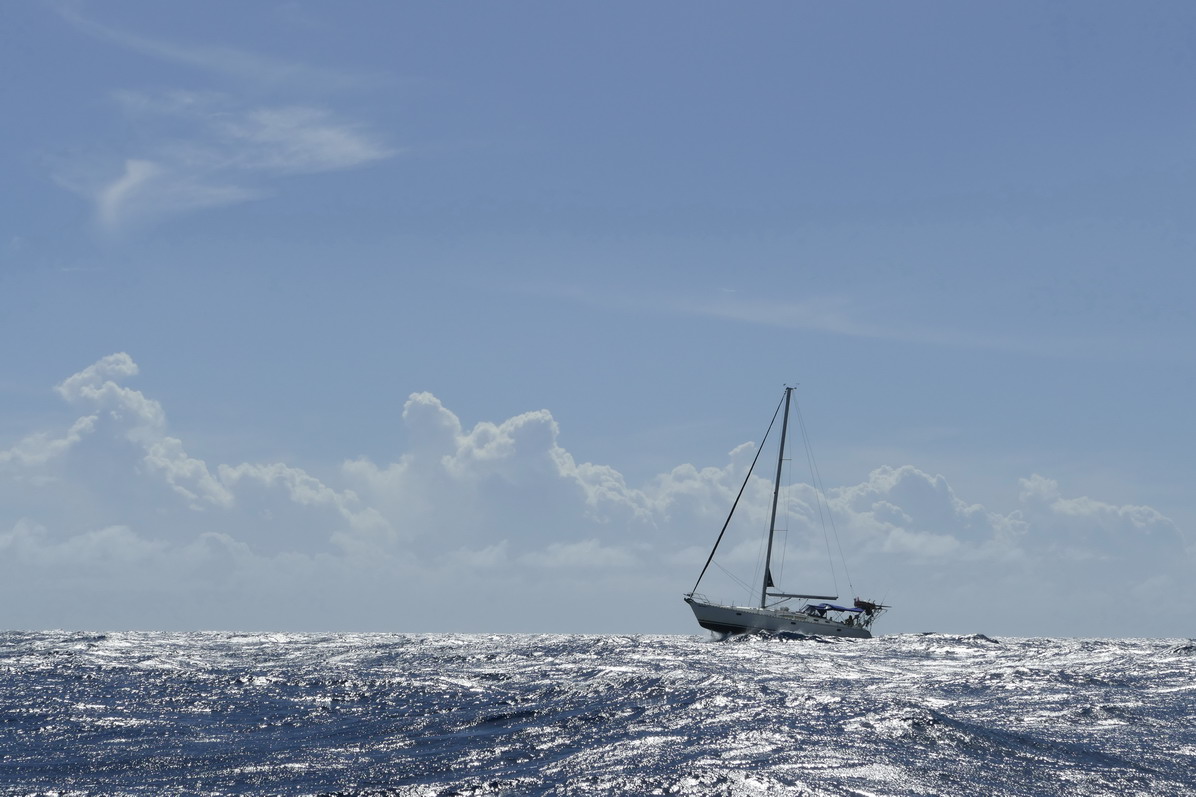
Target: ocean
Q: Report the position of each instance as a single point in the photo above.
(461, 714)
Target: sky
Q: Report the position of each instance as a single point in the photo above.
(434, 317)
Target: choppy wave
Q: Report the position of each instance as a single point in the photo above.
(151, 713)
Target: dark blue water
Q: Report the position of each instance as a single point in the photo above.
(152, 713)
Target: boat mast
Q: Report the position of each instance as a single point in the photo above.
(776, 492)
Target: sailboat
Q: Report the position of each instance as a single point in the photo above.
(817, 615)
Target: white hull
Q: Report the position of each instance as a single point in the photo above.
(749, 619)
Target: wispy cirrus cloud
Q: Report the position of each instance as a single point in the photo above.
(207, 148)
(880, 320)
(148, 190)
(215, 132)
(264, 71)
(892, 318)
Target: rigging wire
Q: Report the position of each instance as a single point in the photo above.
(743, 487)
(758, 573)
(748, 588)
(819, 498)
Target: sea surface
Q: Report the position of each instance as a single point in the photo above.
(444, 714)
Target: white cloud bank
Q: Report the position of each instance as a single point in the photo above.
(112, 523)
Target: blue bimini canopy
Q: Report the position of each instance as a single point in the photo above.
(836, 607)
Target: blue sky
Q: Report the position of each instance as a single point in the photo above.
(379, 316)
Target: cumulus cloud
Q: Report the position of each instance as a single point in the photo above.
(1086, 527)
(40, 447)
(142, 423)
(905, 509)
(501, 515)
(464, 485)
(94, 550)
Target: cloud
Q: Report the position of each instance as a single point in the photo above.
(142, 423)
(148, 191)
(39, 447)
(212, 132)
(824, 314)
(465, 483)
(341, 518)
(500, 516)
(586, 554)
(228, 62)
(299, 140)
(837, 315)
(906, 509)
(114, 198)
(842, 316)
(834, 314)
(1087, 527)
(206, 149)
(209, 149)
(110, 548)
